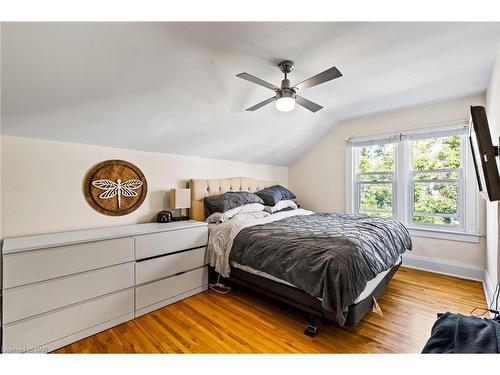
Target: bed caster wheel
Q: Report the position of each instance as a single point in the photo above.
(312, 326)
(310, 330)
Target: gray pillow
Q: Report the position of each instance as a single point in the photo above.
(229, 200)
(274, 194)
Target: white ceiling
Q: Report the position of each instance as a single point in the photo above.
(171, 87)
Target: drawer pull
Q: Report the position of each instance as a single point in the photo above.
(169, 265)
(150, 245)
(168, 254)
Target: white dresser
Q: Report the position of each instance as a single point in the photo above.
(61, 287)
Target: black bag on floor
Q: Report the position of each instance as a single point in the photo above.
(456, 333)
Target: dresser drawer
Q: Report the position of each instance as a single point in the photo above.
(169, 265)
(29, 300)
(38, 265)
(155, 292)
(167, 242)
(43, 330)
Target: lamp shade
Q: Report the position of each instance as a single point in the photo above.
(180, 198)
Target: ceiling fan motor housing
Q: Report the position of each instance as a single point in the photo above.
(285, 93)
(285, 84)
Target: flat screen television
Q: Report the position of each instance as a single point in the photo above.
(484, 154)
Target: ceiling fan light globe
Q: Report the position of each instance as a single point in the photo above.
(285, 104)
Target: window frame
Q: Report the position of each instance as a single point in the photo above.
(403, 193)
(460, 199)
(359, 183)
(461, 227)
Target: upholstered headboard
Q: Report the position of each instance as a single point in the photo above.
(204, 188)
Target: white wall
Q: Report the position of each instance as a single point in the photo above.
(41, 186)
(319, 177)
(492, 275)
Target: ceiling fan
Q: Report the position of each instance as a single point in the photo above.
(286, 96)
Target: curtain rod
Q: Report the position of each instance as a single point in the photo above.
(417, 129)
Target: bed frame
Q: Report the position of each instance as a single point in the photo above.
(299, 299)
(287, 294)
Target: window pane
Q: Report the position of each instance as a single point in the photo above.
(436, 220)
(436, 175)
(376, 158)
(439, 198)
(436, 153)
(436, 195)
(375, 197)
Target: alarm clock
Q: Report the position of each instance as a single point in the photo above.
(164, 217)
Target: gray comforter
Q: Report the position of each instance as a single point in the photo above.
(329, 256)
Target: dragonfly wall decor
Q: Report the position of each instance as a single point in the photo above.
(119, 188)
(115, 187)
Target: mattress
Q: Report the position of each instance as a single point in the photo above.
(370, 285)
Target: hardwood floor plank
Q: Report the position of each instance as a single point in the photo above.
(243, 322)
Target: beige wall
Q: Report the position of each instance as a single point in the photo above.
(41, 186)
(492, 211)
(319, 177)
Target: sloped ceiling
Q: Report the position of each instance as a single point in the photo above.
(171, 87)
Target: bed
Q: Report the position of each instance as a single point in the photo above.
(331, 266)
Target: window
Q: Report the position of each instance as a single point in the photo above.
(375, 180)
(418, 178)
(436, 181)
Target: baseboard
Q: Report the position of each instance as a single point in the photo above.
(489, 288)
(445, 267)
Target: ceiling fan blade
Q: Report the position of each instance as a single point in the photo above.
(322, 77)
(258, 81)
(261, 104)
(313, 107)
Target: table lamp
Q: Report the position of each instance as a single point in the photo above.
(180, 199)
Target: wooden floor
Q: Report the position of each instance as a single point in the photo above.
(240, 322)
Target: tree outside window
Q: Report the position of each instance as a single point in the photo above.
(436, 176)
(375, 180)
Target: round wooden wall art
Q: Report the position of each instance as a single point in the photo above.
(115, 187)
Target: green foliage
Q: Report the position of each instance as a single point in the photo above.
(376, 197)
(436, 153)
(436, 197)
(376, 158)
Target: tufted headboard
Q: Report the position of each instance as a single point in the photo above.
(204, 188)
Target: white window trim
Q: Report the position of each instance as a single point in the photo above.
(469, 230)
(445, 234)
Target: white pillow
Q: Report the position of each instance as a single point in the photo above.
(219, 217)
(281, 205)
(250, 216)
